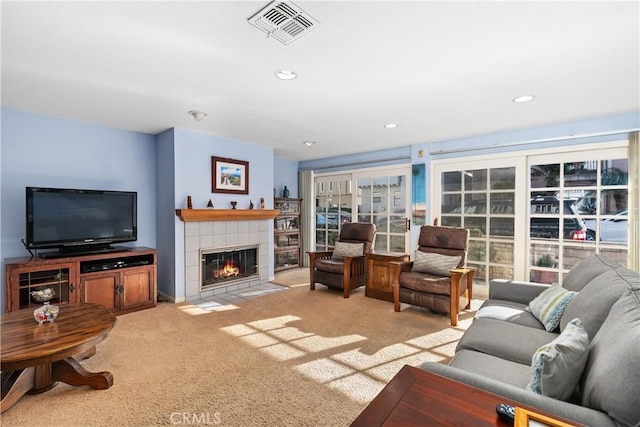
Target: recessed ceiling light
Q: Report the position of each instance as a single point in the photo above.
(391, 125)
(525, 98)
(309, 143)
(285, 74)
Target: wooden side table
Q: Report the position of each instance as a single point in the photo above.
(378, 284)
(419, 398)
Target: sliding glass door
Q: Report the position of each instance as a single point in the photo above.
(534, 216)
(484, 198)
(383, 199)
(380, 196)
(579, 206)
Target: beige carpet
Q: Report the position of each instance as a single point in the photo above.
(290, 358)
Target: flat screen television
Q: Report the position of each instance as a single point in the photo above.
(78, 221)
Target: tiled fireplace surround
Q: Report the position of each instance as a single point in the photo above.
(223, 234)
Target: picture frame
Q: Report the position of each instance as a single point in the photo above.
(526, 418)
(229, 176)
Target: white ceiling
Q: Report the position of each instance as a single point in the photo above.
(440, 70)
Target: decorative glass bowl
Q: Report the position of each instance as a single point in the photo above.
(46, 313)
(43, 295)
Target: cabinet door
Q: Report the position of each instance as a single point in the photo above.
(22, 281)
(137, 288)
(101, 289)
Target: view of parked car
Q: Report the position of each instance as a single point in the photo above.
(574, 227)
(331, 218)
(613, 229)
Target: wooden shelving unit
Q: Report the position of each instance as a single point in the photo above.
(286, 230)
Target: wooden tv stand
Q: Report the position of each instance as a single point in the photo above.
(121, 281)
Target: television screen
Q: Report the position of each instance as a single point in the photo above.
(72, 218)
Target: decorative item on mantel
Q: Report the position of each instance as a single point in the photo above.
(285, 192)
(250, 204)
(261, 202)
(210, 204)
(233, 205)
(189, 205)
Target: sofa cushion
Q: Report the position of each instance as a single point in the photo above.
(556, 367)
(505, 340)
(549, 306)
(432, 263)
(516, 374)
(587, 270)
(508, 311)
(611, 382)
(593, 302)
(342, 250)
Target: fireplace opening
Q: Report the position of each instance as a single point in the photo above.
(220, 266)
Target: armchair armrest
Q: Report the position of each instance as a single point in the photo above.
(515, 291)
(354, 266)
(456, 278)
(395, 268)
(313, 256)
(318, 255)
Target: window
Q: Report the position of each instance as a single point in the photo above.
(533, 216)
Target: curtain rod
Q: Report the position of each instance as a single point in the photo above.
(360, 163)
(533, 141)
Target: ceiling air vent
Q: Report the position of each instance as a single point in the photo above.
(284, 21)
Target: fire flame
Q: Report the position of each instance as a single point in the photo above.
(229, 269)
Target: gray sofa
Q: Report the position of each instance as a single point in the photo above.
(496, 350)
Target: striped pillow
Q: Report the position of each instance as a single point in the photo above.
(549, 306)
(343, 250)
(432, 263)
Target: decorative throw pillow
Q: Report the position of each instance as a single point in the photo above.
(437, 264)
(342, 250)
(556, 367)
(549, 306)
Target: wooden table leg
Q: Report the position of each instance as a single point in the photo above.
(71, 372)
(15, 386)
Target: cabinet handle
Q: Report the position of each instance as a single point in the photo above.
(72, 287)
(119, 289)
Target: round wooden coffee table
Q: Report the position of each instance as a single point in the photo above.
(33, 357)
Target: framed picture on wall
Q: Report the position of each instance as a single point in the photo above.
(229, 176)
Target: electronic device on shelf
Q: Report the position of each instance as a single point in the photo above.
(115, 263)
(78, 222)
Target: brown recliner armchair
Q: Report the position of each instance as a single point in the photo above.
(437, 278)
(343, 268)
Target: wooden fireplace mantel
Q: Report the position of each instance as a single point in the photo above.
(190, 215)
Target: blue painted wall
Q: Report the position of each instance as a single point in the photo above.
(285, 173)
(39, 150)
(191, 164)
(165, 212)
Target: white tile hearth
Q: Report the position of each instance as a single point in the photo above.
(226, 299)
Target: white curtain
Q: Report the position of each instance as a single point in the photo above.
(308, 217)
(634, 201)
